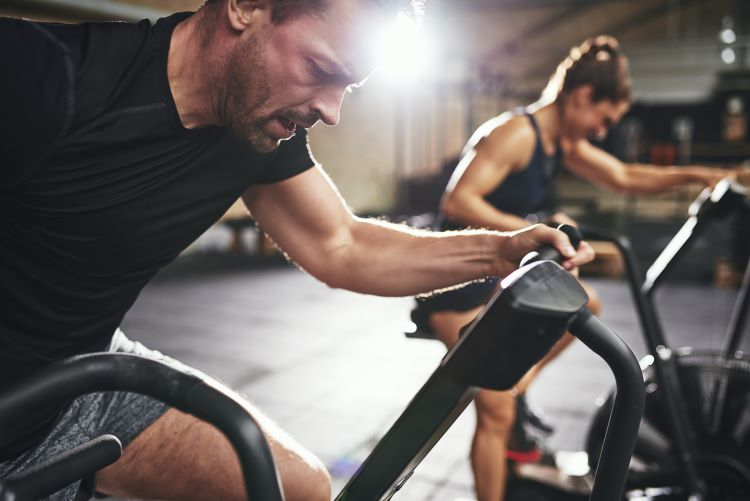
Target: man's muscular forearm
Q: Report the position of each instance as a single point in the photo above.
(392, 260)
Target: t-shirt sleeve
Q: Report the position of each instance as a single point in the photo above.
(291, 158)
(36, 97)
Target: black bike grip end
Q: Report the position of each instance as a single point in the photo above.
(549, 253)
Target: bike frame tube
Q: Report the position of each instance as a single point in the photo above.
(676, 247)
(665, 365)
(428, 416)
(710, 205)
(488, 355)
(61, 383)
(738, 320)
(644, 305)
(735, 329)
(516, 328)
(630, 397)
(70, 466)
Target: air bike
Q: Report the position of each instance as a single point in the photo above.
(517, 327)
(694, 441)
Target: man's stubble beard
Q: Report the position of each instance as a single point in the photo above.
(247, 90)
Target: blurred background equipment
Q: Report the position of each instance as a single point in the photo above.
(464, 62)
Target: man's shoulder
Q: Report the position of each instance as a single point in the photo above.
(69, 36)
(114, 65)
(35, 90)
(31, 36)
(90, 49)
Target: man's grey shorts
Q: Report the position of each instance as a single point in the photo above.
(124, 415)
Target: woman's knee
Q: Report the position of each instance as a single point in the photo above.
(595, 301)
(447, 324)
(496, 412)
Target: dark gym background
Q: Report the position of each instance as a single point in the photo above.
(333, 367)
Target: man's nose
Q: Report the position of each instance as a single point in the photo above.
(328, 105)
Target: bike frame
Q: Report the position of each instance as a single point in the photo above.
(709, 206)
(514, 330)
(519, 325)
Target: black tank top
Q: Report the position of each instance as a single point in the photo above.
(531, 190)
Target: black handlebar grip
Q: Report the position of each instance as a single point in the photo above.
(549, 253)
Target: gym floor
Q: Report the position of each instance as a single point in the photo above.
(334, 368)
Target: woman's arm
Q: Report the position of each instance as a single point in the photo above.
(599, 167)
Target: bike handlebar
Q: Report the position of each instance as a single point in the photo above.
(66, 468)
(549, 253)
(622, 431)
(65, 381)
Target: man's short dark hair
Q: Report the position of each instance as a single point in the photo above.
(283, 10)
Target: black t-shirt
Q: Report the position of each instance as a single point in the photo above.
(100, 187)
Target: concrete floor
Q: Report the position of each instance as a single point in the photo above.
(334, 369)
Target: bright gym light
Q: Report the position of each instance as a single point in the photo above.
(728, 55)
(406, 52)
(727, 36)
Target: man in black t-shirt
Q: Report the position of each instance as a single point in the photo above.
(121, 143)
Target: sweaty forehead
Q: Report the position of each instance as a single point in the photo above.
(347, 32)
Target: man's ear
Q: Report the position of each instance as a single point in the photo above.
(244, 14)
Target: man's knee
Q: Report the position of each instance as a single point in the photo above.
(303, 475)
(181, 457)
(316, 486)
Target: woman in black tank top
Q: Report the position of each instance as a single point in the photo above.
(505, 181)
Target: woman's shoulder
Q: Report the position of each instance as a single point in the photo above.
(506, 131)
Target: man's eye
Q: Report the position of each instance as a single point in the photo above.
(319, 72)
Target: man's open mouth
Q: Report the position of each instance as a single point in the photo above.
(290, 126)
